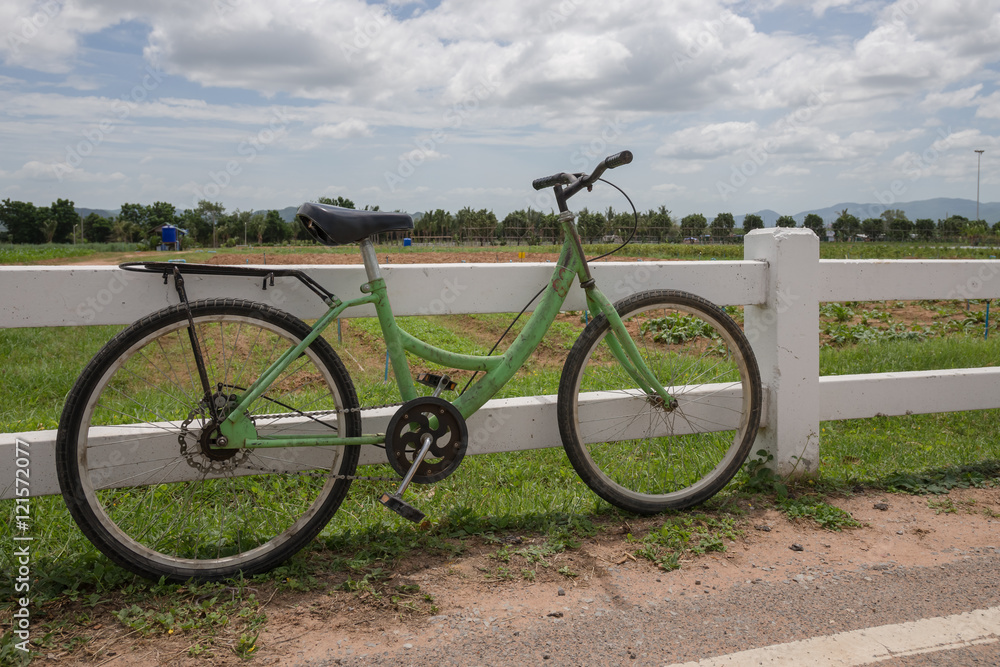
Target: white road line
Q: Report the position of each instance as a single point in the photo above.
(871, 645)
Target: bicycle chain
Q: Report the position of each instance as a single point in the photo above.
(318, 413)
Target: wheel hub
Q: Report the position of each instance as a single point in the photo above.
(200, 448)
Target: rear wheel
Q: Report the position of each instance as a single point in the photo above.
(637, 451)
(134, 451)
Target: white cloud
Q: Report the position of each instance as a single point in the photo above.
(791, 170)
(351, 128)
(962, 97)
(989, 107)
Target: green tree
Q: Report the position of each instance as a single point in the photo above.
(96, 228)
(846, 226)
(23, 221)
(592, 226)
(655, 225)
(276, 230)
(952, 227)
(873, 228)
(813, 222)
(65, 219)
(207, 216)
(435, 223)
(254, 226)
(752, 221)
(342, 202)
(722, 225)
(786, 221)
(161, 213)
(900, 229)
(693, 225)
(924, 228)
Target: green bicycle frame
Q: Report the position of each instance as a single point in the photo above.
(240, 432)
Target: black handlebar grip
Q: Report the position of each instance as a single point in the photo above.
(618, 159)
(549, 181)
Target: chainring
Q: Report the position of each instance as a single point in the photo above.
(408, 426)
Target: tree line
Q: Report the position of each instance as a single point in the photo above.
(209, 224)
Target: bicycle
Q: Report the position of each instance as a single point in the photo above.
(220, 436)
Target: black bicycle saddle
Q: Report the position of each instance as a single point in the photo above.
(333, 225)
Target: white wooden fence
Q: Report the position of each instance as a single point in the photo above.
(781, 280)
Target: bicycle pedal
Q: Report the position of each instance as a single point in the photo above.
(400, 507)
(434, 381)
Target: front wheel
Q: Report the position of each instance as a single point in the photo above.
(638, 451)
(135, 454)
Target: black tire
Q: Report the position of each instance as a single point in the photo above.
(133, 466)
(645, 456)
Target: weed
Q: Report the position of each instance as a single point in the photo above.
(943, 506)
(977, 475)
(683, 533)
(822, 513)
(761, 478)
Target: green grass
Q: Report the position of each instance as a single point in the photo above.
(30, 254)
(534, 493)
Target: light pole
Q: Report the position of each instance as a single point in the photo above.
(979, 162)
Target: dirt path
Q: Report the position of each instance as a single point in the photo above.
(481, 619)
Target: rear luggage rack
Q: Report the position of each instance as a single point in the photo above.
(268, 275)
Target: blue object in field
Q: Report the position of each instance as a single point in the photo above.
(407, 243)
(169, 234)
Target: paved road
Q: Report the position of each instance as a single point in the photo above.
(718, 626)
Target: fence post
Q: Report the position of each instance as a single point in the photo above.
(784, 333)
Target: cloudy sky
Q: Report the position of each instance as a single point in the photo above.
(727, 106)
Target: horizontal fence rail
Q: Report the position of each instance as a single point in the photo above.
(781, 281)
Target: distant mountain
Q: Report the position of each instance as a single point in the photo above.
(287, 214)
(103, 212)
(935, 209)
(770, 217)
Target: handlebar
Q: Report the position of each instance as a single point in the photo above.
(577, 182)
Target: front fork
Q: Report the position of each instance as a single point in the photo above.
(621, 343)
(625, 350)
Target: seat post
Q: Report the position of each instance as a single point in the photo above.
(370, 260)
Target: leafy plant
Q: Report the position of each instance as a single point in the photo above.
(763, 479)
(678, 328)
(822, 513)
